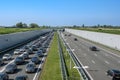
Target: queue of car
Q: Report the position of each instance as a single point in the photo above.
(37, 48)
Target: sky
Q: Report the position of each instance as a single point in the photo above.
(60, 12)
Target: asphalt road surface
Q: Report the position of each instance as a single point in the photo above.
(21, 68)
(98, 62)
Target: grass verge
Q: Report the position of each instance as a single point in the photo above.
(51, 70)
(14, 30)
(72, 72)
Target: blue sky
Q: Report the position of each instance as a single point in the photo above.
(60, 12)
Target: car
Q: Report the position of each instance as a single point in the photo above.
(114, 73)
(34, 48)
(19, 60)
(1, 62)
(26, 46)
(75, 39)
(25, 55)
(39, 53)
(11, 68)
(4, 76)
(30, 67)
(21, 77)
(43, 50)
(7, 57)
(16, 51)
(93, 48)
(30, 51)
(35, 59)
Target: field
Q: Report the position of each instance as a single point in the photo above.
(14, 30)
(51, 70)
(103, 30)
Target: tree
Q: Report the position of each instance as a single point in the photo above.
(25, 25)
(34, 25)
(21, 25)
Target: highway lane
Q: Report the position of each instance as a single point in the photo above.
(21, 68)
(97, 61)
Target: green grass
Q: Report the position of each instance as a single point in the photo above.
(103, 30)
(72, 72)
(14, 30)
(51, 70)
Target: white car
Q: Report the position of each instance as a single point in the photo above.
(7, 57)
(17, 51)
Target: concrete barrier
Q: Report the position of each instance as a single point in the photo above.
(110, 40)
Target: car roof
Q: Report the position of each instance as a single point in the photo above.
(116, 71)
(21, 76)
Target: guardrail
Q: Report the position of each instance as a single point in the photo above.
(84, 74)
(63, 66)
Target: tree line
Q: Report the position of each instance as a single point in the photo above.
(24, 25)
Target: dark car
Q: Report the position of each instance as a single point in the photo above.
(11, 68)
(1, 62)
(39, 53)
(30, 51)
(30, 67)
(34, 48)
(25, 55)
(22, 77)
(93, 48)
(43, 50)
(65, 34)
(35, 59)
(75, 39)
(4, 76)
(114, 73)
(19, 60)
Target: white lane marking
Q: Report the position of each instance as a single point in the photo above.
(95, 54)
(85, 67)
(6, 66)
(107, 62)
(73, 49)
(93, 61)
(34, 78)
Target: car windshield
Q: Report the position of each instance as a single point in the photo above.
(117, 71)
(34, 58)
(19, 58)
(10, 66)
(19, 78)
(7, 55)
(30, 65)
(17, 50)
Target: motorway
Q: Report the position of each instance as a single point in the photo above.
(21, 68)
(97, 62)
